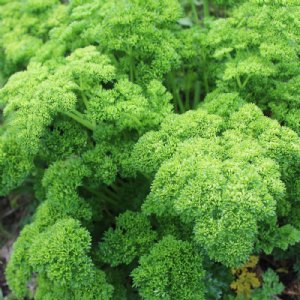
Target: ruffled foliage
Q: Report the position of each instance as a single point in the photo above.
(231, 184)
(160, 140)
(24, 27)
(257, 55)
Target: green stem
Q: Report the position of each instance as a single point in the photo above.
(179, 101)
(103, 196)
(187, 101)
(246, 81)
(110, 194)
(85, 101)
(176, 93)
(114, 187)
(187, 93)
(82, 117)
(225, 10)
(206, 8)
(205, 80)
(194, 12)
(109, 200)
(197, 93)
(78, 117)
(238, 79)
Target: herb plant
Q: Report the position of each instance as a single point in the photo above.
(158, 140)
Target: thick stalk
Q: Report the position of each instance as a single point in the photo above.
(238, 80)
(75, 115)
(197, 93)
(110, 194)
(175, 93)
(102, 196)
(179, 101)
(206, 8)
(187, 100)
(206, 85)
(246, 81)
(187, 92)
(84, 99)
(194, 11)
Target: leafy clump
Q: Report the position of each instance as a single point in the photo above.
(229, 185)
(109, 113)
(171, 269)
(132, 237)
(257, 49)
(271, 286)
(74, 93)
(24, 27)
(161, 141)
(59, 256)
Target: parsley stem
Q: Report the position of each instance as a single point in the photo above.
(175, 92)
(197, 93)
(78, 117)
(205, 79)
(206, 8)
(187, 91)
(194, 12)
(246, 81)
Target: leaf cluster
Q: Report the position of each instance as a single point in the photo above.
(161, 140)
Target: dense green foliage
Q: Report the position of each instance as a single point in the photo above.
(259, 50)
(24, 27)
(230, 186)
(159, 139)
